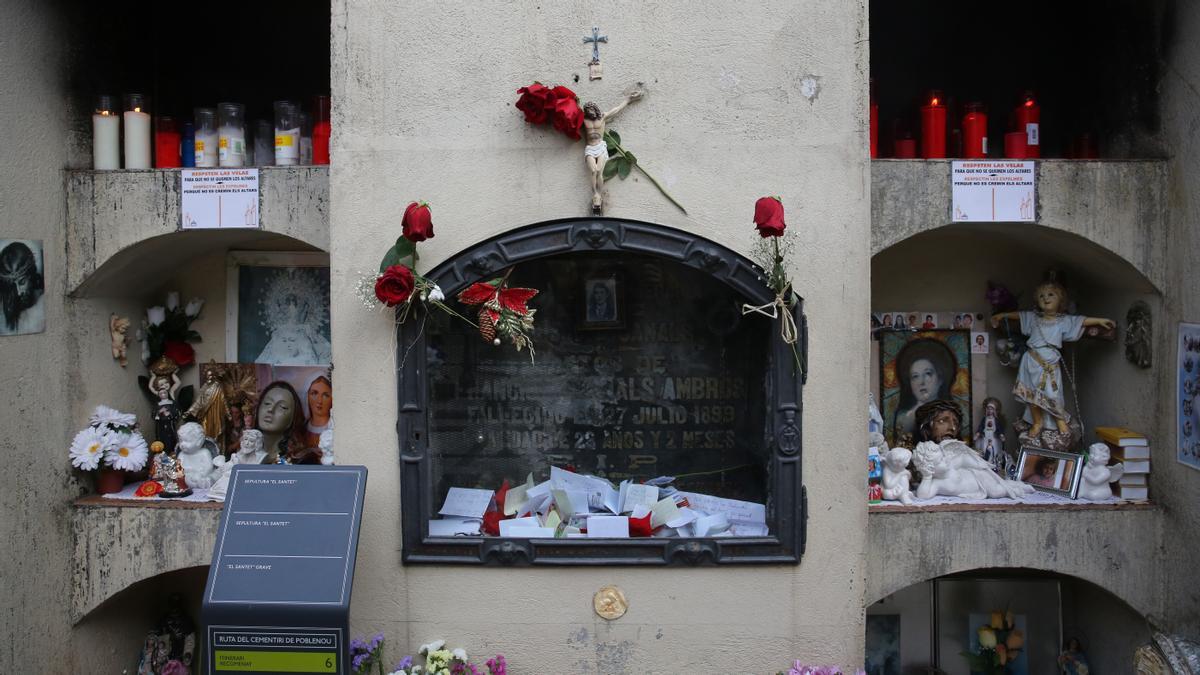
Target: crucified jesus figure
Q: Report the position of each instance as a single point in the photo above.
(596, 151)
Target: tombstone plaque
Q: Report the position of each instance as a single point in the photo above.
(278, 593)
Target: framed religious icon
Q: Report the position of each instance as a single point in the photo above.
(1050, 471)
(277, 308)
(21, 287)
(602, 303)
(918, 367)
(1187, 386)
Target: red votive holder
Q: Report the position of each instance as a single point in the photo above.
(906, 148)
(166, 143)
(874, 123)
(1028, 115)
(974, 131)
(933, 126)
(1014, 145)
(321, 130)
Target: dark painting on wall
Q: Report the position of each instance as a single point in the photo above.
(22, 301)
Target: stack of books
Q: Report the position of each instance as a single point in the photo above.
(1133, 450)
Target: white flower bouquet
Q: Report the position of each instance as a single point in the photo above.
(111, 439)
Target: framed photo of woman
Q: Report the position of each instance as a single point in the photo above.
(918, 367)
(277, 308)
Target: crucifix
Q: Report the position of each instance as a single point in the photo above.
(595, 71)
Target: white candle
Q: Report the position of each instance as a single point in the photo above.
(287, 146)
(106, 141)
(206, 137)
(232, 146)
(137, 139)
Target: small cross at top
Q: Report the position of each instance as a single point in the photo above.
(595, 40)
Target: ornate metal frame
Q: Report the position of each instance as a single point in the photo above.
(787, 506)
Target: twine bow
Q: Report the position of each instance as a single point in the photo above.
(777, 309)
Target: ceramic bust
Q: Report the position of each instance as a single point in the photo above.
(1097, 474)
(195, 456)
(1040, 374)
(950, 467)
(280, 418)
(250, 452)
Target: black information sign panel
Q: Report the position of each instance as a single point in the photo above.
(278, 592)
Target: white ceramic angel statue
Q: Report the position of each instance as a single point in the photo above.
(250, 452)
(1097, 474)
(896, 475)
(195, 456)
(950, 467)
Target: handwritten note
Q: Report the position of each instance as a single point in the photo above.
(635, 494)
(737, 511)
(450, 527)
(466, 502)
(608, 527)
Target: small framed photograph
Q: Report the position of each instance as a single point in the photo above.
(277, 308)
(602, 306)
(1050, 471)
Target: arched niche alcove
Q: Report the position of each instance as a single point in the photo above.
(929, 622)
(743, 362)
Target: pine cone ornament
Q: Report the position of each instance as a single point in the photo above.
(487, 327)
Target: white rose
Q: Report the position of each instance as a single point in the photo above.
(172, 300)
(194, 306)
(156, 315)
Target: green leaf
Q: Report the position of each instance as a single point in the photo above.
(405, 249)
(624, 169)
(610, 169)
(629, 156)
(615, 136)
(390, 258)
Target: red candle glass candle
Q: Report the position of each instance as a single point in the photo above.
(933, 127)
(321, 130)
(166, 144)
(1014, 145)
(1028, 115)
(906, 147)
(974, 130)
(874, 123)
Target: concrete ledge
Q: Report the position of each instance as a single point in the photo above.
(119, 544)
(1118, 549)
(1119, 205)
(123, 226)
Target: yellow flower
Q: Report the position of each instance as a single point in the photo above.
(1008, 620)
(987, 637)
(1016, 639)
(998, 620)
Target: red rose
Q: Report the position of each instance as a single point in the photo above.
(417, 223)
(568, 116)
(768, 217)
(179, 352)
(537, 102)
(395, 285)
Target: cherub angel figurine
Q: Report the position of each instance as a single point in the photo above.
(117, 327)
(1039, 378)
(595, 153)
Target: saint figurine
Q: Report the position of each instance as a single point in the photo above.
(595, 153)
(164, 384)
(1039, 380)
(166, 470)
(989, 437)
(209, 409)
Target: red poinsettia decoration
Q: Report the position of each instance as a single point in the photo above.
(503, 311)
(546, 105)
(180, 352)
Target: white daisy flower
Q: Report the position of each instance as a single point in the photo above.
(87, 449)
(460, 654)
(105, 415)
(127, 452)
